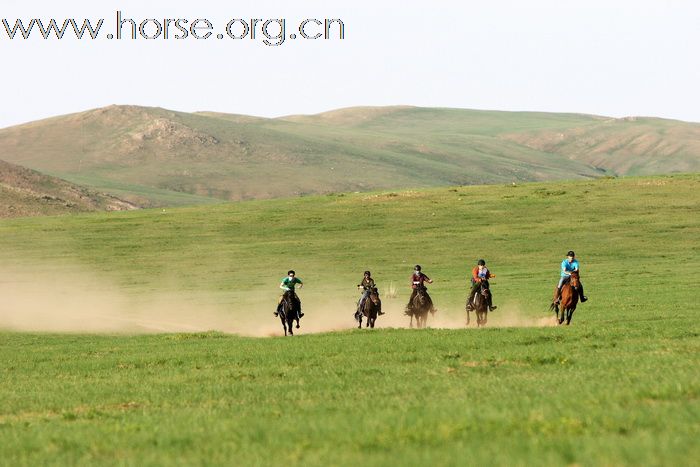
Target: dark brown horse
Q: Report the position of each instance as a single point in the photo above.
(370, 309)
(419, 307)
(481, 304)
(288, 310)
(569, 298)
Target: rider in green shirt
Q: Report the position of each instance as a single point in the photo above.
(287, 284)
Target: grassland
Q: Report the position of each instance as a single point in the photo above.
(158, 157)
(618, 387)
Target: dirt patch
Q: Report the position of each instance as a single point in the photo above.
(68, 299)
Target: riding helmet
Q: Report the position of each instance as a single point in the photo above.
(367, 273)
(571, 253)
(482, 262)
(417, 268)
(291, 272)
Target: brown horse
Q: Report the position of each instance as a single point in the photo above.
(481, 304)
(370, 309)
(569, 298)
(419, 307)
(288, 311)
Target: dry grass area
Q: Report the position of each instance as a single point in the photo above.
(25, 192)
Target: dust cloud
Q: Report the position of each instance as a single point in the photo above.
(68, 299)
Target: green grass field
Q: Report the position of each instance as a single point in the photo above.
(618, 387)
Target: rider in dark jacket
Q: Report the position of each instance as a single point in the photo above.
(417, 281)
(366, 286)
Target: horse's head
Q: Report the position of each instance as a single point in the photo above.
(374, 295)
(420, 295)
(574, 278)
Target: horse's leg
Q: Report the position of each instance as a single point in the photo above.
(411, 325)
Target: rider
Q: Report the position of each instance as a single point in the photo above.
(288, 284)
(366, 285)
(569, 265)
(480, 274)
(417, 281)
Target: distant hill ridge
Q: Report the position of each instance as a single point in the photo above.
(153, 156)
(25, 192)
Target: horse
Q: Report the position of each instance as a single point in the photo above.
(481, 304)
(420, 306)
(288, 311)
(564, 310)
(370, 309)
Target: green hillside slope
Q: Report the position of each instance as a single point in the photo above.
(163, 157)
(618, 387)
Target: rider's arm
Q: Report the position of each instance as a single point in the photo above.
(475, 275)
(282, 286)
(563, 268)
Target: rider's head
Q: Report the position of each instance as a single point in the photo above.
(481, 262)
(571, 254)
(291, 273)
(417, 268)
(367, 273)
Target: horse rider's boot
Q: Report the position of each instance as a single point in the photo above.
(491, 306)
(470, 302)
(581, 297)
(558, 299)
(301, 313)
(380, 313)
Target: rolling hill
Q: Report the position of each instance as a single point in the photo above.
(155, 157)
(25, 192)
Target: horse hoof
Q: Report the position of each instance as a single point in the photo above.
(297, 326)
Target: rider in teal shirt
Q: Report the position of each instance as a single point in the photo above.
(569, 265)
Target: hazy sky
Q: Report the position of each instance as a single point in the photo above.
(615, 58)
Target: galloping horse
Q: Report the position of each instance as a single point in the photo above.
(420, 306)
(481, 304)
(569, 298)
(370, 309)
(288, 312)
